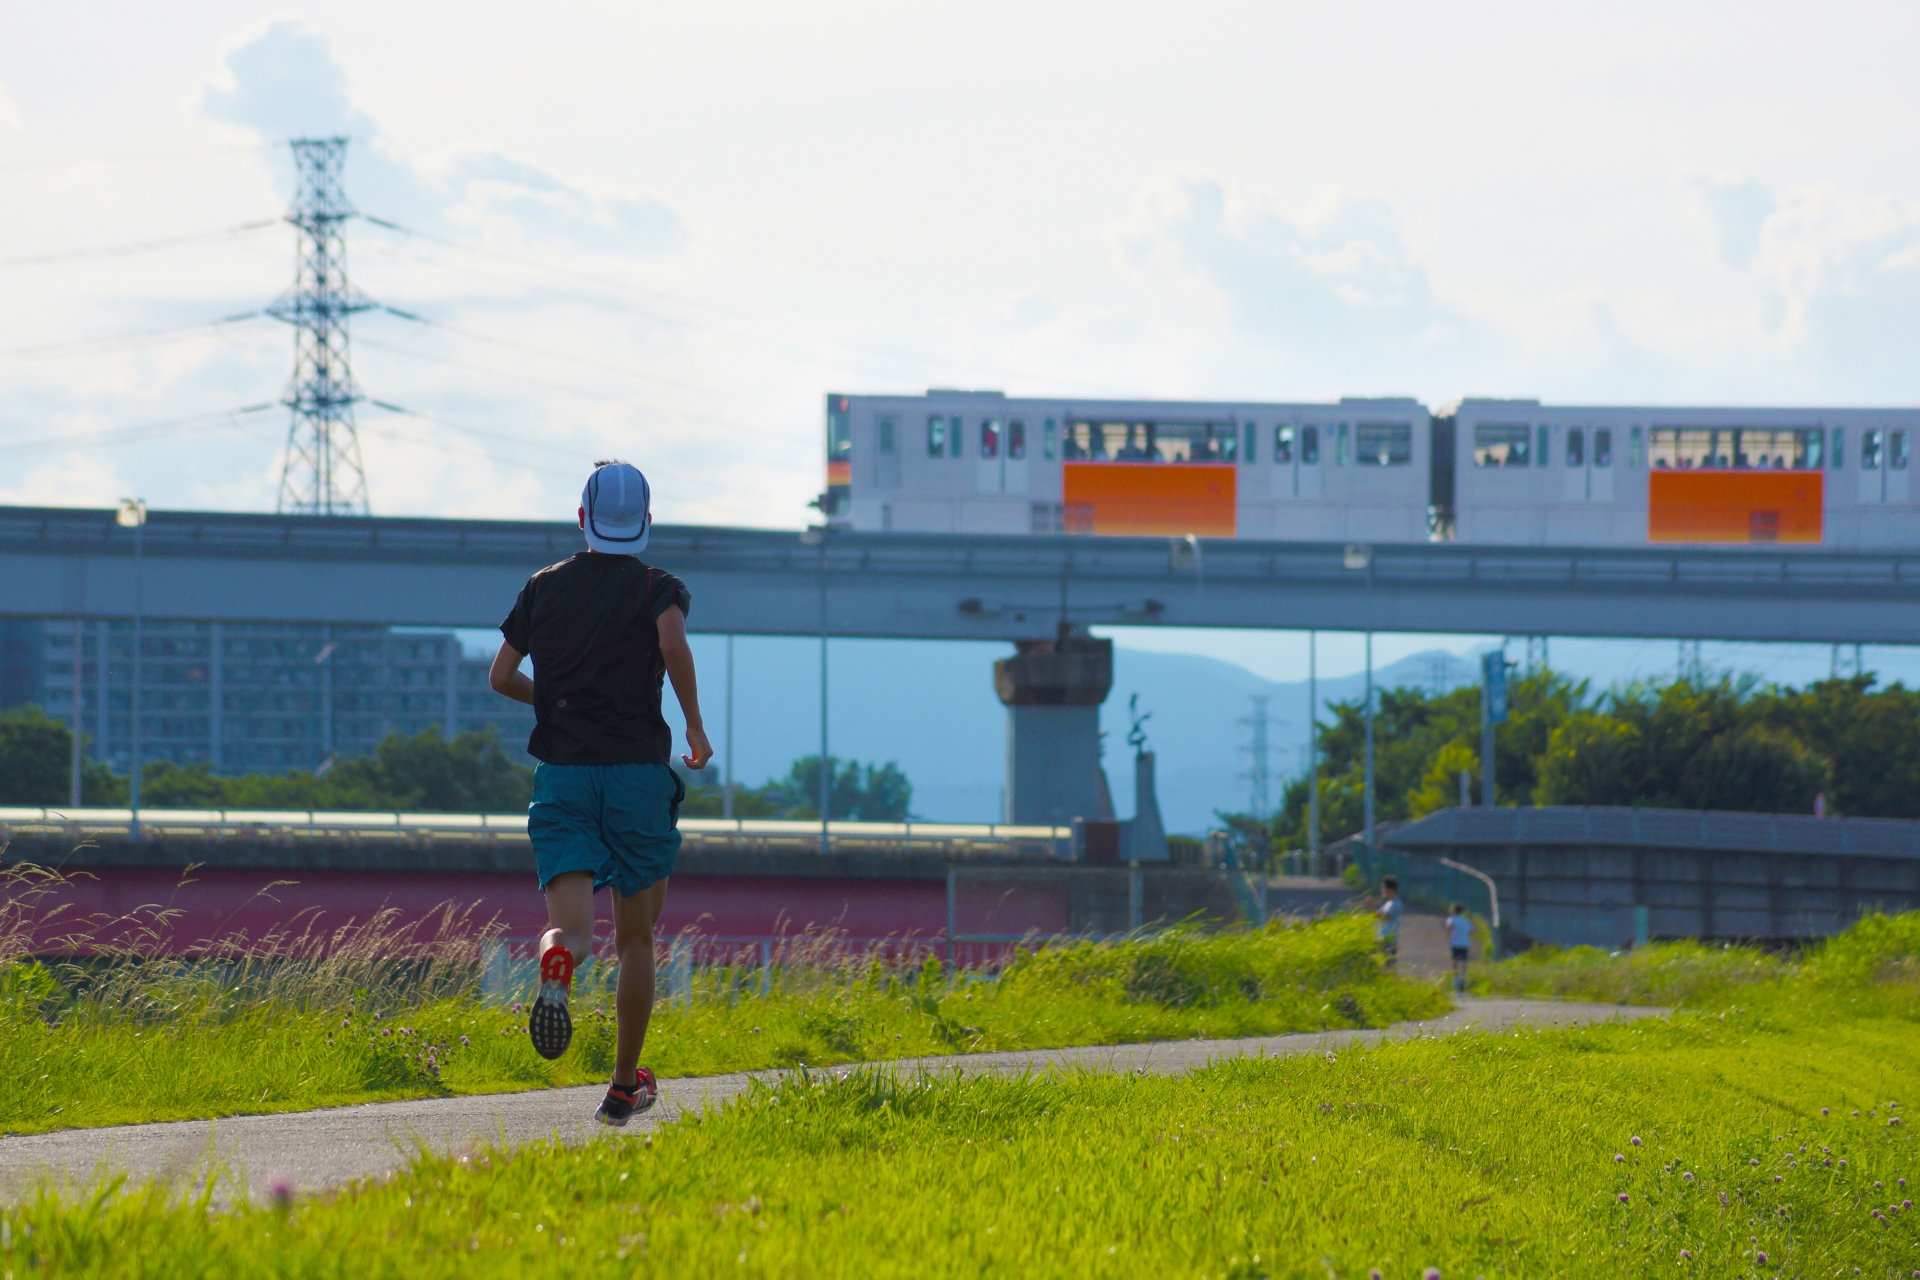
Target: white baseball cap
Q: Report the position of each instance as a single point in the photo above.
(618, 506)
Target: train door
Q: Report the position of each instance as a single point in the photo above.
(1310, 464)
(1286, 461)
(1014, 463)
(993, 463)
(1573, 476)
(1600, 464)
(1873, 470)
(886, 453)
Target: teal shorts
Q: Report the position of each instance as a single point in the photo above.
(618, 821)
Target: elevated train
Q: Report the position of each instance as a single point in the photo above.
(1374, 470)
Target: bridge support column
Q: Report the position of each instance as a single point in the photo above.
(1052, 690)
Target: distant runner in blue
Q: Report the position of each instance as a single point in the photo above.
(1460, 939)
(1388, 915)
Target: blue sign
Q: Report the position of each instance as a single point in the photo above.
(1493, 668)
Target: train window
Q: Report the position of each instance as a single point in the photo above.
(1385, 444)
(1602, 446)
(1576, 447)
(1871, 445)
(1896, 450)
(1049, 439)
(1342, 443)
(936, 437)
(883, 435)
(990, 438)
(1761, 449)
(1016, 439)
(1246, 454)
(1836, 459)
(1633, 448)
(1691, 448)
(1310, 446)
(1541, 460)
(839, 429)
(1283, 445)
(956, 437)
(1500, 445)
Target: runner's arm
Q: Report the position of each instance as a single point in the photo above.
(506, 676)
(678, 655)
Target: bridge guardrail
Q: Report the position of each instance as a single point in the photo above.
(843, 837)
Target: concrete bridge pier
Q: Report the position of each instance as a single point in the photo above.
(1052, 690)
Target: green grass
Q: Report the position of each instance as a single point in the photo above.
(181, 1041)
(1507, 1155)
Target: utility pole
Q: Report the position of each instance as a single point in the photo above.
(133, 515)
(1313, 753)
(321, 474)
(1369, 778)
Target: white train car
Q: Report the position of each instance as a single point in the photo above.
(982, 462)
(1530, 474)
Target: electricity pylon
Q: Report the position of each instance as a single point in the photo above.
(321, 474)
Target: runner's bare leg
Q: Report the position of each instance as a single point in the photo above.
(634, 922)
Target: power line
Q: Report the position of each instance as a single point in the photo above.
(45, 165)
(136, 246)
(134, 434)
(146, 338)
(622, 401)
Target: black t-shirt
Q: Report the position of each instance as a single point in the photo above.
(590, 624)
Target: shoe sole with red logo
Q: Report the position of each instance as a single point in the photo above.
(549, 1024)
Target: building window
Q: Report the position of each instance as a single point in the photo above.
(1500, 445)
(1049, 440)
(1385, 444)
(883, 435)
(1016, 440)
(990, 438)
(1309, 446)
(936, 437)
(1602, 447)
(1576, 447)
(1283, 445)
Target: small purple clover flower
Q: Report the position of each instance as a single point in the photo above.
(1906, 1204)
(1375, 1274)
(463, 1042)
(1687, 1177)
(1431, 1273)
(1686, 1255)
(1754, 1163)
(280, 1191)
(1623, 1198)
(1618, 1158)
(1823, 1110)
(1760, 1257)
(1634, 1141)
(1843, 1164)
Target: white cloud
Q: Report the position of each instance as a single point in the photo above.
(9, 112)
(77, 479)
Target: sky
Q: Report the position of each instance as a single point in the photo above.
(665, 232)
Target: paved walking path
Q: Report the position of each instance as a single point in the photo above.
(313, 1150)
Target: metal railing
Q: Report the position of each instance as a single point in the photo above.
(1041, 841)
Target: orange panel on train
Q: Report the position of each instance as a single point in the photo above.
(1735, 506)
(1150, 498)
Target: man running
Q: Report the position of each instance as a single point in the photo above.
(604, 629)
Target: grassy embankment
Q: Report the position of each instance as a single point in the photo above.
(1756, 1133)
(298, 1021)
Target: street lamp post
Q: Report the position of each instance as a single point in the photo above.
(133, 515)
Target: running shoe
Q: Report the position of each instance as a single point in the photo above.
(621, 1103)
(550, 1025)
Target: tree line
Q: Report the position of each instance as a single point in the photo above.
(1727, 742)
(423, 772)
